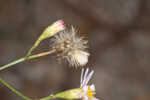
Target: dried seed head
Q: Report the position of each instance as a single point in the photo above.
(71, 47)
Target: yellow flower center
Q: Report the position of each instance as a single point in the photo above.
(90, 93)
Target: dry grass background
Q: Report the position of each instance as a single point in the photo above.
(119, 38)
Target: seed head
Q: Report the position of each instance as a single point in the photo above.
(71, 47)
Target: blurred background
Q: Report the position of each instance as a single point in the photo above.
(119, 39)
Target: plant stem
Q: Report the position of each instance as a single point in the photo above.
(48, 97)
(14, 90)
(12, 63)
(26, 58)
(33, 47)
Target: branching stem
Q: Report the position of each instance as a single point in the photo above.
(26, 58)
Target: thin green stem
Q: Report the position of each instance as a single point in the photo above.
(14, 90)
(33, 47)
(26, 58)
(48, 97)
(12, 63)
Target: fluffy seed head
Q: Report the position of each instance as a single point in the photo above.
(71, 47)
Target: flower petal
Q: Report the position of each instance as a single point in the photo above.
(85, 76)
(81, 78)
(85, 88)
(92, 87)
(88, 77)
(85, 97)
(94, 99)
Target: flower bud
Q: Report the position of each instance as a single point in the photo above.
(53, 29)
(48, 32)
(69, 94)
